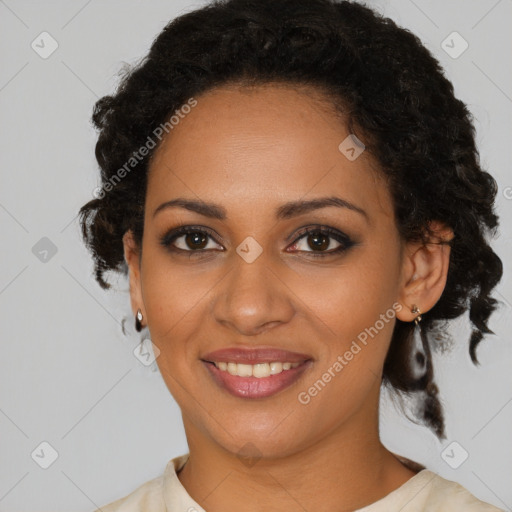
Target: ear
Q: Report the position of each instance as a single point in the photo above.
(132, 258)
(424, 272)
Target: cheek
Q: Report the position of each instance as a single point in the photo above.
(351, 296)
(173, 296)
(355, 302)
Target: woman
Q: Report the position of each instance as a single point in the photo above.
(294, 193)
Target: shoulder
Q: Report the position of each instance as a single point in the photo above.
(148, 496)
(429, 492)
(437, 494)
(157, 495)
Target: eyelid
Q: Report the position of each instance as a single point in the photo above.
(344, 240)
(171, 235)
(318, 228)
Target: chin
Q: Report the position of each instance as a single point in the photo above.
(257, 443)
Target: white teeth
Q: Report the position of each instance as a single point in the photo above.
(276, 368)
(259, 370)
(244, 370)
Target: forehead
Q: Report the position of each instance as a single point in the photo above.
(263, 146)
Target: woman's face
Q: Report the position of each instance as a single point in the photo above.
(255, 280)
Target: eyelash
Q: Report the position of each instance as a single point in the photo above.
(345, 241)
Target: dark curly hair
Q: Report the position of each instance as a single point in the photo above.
(394, 97)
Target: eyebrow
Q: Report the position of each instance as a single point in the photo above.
(285, 211)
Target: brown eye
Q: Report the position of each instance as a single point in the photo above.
(196, 240)
(322, 241)
(189, 239)
(318, 241)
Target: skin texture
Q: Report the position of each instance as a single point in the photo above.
(251, 150)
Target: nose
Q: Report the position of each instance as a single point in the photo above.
(253, 298)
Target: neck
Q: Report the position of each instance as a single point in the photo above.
(347, 469)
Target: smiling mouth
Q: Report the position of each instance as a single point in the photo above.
(259, 370)
(259, 380)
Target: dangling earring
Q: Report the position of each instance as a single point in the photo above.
(416, 310)
(421, 352)
(138, 321)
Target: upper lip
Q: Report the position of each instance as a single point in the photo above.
(255, 356)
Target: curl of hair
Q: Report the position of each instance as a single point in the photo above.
(393, 95)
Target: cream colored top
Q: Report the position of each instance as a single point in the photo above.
(424, 492)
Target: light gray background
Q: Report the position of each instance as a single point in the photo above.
(68, 374)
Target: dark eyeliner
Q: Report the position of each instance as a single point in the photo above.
(169, 237)
(345, 241)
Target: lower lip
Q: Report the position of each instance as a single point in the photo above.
(254, 387)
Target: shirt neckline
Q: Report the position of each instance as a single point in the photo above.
(177, 499)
